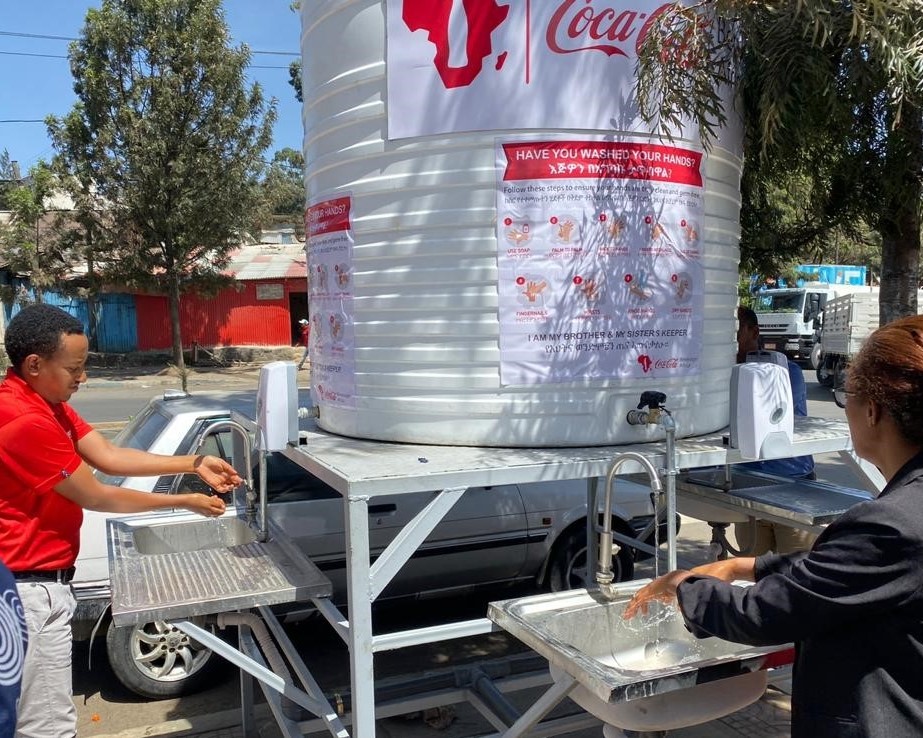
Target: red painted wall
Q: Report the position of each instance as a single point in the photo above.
(231, 318)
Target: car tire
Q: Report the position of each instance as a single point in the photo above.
(825, 377)
(568, 568)
(158, 661)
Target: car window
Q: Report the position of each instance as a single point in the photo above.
(288, 482)
(219, 444)
(140, 434)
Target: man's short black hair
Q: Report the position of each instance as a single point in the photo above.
(37, 329)
(746, 316)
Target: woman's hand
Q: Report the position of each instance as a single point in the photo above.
(662, 589)
(211, 506)
(217, 473)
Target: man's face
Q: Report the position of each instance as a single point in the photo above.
(57, 377)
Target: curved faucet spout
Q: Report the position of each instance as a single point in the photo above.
(244, 435)
(604, 575)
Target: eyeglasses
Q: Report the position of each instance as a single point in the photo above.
(840, 395)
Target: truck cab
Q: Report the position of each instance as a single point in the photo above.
(788, 318)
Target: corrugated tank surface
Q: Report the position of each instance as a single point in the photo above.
(425, 301)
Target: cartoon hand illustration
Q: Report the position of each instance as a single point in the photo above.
(565, 230)
(691, 233)
(638, 291)
(534, 289)
(616, 227)
(659, 233)
(590, 289)
(516, 236)
(681, 289)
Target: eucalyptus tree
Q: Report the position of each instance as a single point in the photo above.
(831, 95)
(172, 137)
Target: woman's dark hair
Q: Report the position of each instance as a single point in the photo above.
(889, 370)
(37, 329)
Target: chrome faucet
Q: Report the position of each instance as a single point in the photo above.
(657, 414)
(250, 491)
(607, 549)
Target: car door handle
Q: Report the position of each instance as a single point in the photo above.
(382, 509)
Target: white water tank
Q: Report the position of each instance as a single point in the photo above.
(423, 339)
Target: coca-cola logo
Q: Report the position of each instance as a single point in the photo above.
(671, 363)
(645, 361)
(579, 25)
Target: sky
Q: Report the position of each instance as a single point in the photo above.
(35, 78)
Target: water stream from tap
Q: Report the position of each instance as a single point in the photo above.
(640, 642)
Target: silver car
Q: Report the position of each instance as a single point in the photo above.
(493, 536)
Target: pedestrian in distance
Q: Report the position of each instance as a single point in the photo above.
(305, 340)
(853, 604)
(759, 536)
(46, 451)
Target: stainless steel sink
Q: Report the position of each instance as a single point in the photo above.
(180, 565)
(649, 673)
(192, 535)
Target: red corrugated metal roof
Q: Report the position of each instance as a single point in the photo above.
(269, 261)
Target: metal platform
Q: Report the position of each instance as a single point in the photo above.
(362, 469)
(800, 504)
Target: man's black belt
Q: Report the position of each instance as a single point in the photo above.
(61, 576)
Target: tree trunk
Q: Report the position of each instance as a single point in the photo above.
(175, 329)
(900, 249)
(93, 336)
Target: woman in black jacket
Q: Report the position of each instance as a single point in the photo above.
(853, 604)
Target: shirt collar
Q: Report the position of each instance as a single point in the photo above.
(22, 391)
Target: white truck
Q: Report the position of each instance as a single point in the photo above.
(789, 317)
(846, 322)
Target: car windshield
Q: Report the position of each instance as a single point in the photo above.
(141, 434)
(786, 302)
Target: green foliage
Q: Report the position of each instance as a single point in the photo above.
(35, 240)
(294, 79)
(831, 96)
(283, 188)
(171, 137)
(7, 178)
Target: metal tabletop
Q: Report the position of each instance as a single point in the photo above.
(360, 467)
(800, 503)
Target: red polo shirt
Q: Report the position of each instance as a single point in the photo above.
(39, 529)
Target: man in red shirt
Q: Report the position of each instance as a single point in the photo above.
(46, 450)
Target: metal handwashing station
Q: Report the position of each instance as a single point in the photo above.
(648, 676)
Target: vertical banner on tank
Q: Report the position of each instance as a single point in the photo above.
(330, 294)
(600, 259)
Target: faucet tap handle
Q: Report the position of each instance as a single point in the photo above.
(652, 399)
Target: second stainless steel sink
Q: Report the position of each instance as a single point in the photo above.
(179, 565)
(643, 674)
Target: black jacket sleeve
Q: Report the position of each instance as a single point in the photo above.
(867, 563)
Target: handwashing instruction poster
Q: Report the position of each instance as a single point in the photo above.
(330, 296)
(600, 259)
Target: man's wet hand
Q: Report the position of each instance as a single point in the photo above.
(217, 473)
(211, 506)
